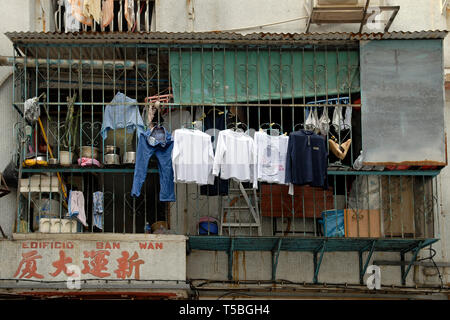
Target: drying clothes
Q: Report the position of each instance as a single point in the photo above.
(71, 24)
(348, 118)
(312, 121)
(158, 142)
(272, 151)
(236, 157)
(306, 161)
(87, 162)
(214, 122)
(339, 122)
(77, 12)
(324, 122)
(32, 110)
(92, 9)
(192, 157)
(76, 206)
(107, 12)
(120, 115)
(97, 209)
(129, 13)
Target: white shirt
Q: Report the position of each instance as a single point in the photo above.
(235, 157)
(192, 157)
(272, 152)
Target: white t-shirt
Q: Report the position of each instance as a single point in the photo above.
(192, 157)
(235, 157)
(272, 151)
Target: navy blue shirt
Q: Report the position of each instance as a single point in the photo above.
(306, 161)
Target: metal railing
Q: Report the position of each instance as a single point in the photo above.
(277, 89)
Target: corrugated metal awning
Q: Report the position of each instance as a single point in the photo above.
(213, 37)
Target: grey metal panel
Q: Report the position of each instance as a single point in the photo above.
(402, 92)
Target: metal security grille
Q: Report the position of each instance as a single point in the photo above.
(211, 87)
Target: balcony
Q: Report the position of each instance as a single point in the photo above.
(385, 207)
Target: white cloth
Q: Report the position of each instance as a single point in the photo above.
(192, 157)
(272, 152)
(236, 157)
(70, 22)
(76, 206)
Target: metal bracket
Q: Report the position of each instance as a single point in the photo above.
(404, 272)
(363, 269)
(317, 264)
(230, 260)
(275, 255)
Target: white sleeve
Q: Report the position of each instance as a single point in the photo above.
(210, 160)
(175, 153)
(255, 164)
(221, 149)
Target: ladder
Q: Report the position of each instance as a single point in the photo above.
(252, 218)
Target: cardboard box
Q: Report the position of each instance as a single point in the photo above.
(362, 223)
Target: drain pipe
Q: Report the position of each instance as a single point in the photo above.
(67, 63)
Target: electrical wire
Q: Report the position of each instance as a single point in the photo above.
(432, 255)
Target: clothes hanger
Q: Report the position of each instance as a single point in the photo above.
(235, 128)
(271, 128)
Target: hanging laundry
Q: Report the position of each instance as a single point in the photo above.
(97, 209)
(214, 121)
(77, 12)
(107, 12)
(338, 121)
(236, 157)
(312, 122)
(192, 157)
(156, 141)
(120, 115)
(71, 24)
(76, 206)
(92, 9)
(129, 13)
(306, 161)
(324, 122)
(272, 151)
(348, 118)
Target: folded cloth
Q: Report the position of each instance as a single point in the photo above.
(87, 162)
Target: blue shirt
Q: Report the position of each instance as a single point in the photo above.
(118, 116)
(306, 161)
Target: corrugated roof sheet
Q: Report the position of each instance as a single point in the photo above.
(212, 37)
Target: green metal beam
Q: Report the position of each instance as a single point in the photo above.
(431, 173)
(317, 264)
(230, 260)
(275, 255)
(363, 269)
(414, 258)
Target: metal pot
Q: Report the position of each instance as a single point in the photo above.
(112, 159)
(112, 150)
(53, 161)
(86, 152)
(129, 157)
(65, 158)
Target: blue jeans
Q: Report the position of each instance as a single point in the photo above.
(156, 142)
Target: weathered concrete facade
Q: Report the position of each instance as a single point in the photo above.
(242, 17)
